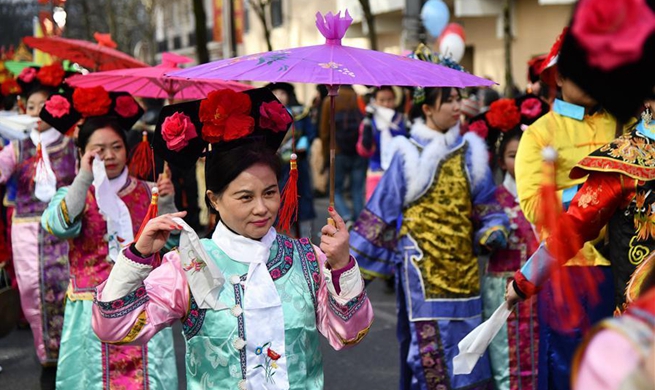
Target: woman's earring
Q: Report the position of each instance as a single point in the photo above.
(647, 115)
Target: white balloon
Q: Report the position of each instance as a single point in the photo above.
(453, 46)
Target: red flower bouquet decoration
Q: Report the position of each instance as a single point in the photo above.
(503, 114)
(126, 106)
(531, 108)
(51, 75)
(480, 128)
(27, 75)
(273, 355)
(274, 116)
(177, 130)
(94, 101)
(58, 106)
(225, 116)
(613, 32)
(10, 87)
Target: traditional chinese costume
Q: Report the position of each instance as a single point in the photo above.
(514, 351)
(95, 235)
(431, 209)
(573, 135)
(40, 260)
(234, 339)
(618, 193)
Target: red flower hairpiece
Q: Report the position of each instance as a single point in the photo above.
(94, 101)
(126, 106)
(177, 130)
(225, 116)
(58, 106)
(274, 116)
(10, 87)
(480, 128)
(503, 114)
(613, 32)
(27, 75)
(51, 75)
(531, 108)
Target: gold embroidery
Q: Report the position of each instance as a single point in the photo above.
(589, 197)
(637, 253)
(64, 212)
(440, 223)
(136, 329)
(360, 335)
(631, 149)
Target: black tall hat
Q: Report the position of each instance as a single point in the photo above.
(224, 120)
(63, 110)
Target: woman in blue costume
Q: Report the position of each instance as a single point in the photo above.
(431, 210)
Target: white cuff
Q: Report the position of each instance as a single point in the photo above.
(350, 282)
(125, 277)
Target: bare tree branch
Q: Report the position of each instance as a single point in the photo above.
(370, 22)
(260, 7)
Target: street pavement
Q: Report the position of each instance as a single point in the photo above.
(373, 364)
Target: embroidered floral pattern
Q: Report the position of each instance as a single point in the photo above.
(310, 266)
(375, 230)
(347, 311)
(196, 265)
(279, 265)
(194, 319)
(270, 361)
(589, 197)
(432, 355)
(124, 305)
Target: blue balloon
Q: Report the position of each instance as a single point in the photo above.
(435, 16)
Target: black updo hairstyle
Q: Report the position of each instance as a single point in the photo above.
(94, 123)
(223, 165)
(431, 96)
(47, 91)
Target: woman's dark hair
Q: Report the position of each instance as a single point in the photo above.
(383, 88)
(223, 166)
(432, 96)
(39, 89)
(8, 102)
(94, 123)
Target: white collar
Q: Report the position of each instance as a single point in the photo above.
(243, 249)
(424, 134)
(510, 185)
(46, 138)
(118, 182)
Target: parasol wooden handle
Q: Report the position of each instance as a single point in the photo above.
(331, 222)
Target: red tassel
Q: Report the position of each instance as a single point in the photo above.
(153, 211)
(141, 160)
(289, 199)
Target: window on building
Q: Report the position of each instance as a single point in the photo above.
(210, 34)
(276, 13)
(177, 42)
(192, 39)
(162, 46)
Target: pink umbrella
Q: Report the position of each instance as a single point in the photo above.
(333, 64)
(150, 82)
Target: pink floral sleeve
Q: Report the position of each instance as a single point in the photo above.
(152, 301)
(344, 318)
(7, 162)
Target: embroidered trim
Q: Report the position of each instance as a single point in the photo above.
(241, 327)
(192, 324)
(122, 306)
(373, 228)
(283, 260)
(64, 212)
(310, 268)
(431, 351)
(347, 310)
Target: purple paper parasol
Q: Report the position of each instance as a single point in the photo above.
(333, 64)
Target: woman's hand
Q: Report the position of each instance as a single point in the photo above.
(165, 185)
(156, 233)
(511, 297)
(86, 162)
(334, 242)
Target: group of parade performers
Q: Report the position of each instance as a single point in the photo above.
(103, 274)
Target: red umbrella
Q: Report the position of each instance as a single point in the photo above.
(150, 82)
(95, 56)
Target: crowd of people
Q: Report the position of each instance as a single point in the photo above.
(463, 200)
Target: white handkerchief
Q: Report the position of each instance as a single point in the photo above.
(205, 278)
(473, 346)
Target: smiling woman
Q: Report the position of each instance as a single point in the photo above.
(264, 323)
